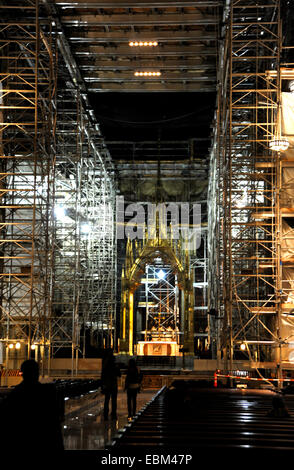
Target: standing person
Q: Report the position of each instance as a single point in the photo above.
(32, 415)
(132, 386)
(110, 373)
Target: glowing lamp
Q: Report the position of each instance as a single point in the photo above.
(85, 228)
(11, 346)
(147, 74)
(160, 274)
(143, 43)
(279, 144)
(17, 346)
(59, 212)
(33, 347)
(243, 346)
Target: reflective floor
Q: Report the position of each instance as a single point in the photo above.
(85, 428)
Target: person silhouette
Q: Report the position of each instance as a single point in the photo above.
(110, 373)
(32, 413)
(132, 386)
(279, 408)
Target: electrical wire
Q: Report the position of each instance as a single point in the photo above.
(176, 118)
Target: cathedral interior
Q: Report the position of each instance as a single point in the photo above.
(147, 194)
(129, 128)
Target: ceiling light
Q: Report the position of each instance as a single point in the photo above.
(17, 346)
(33, 347)
(279, 144)
(243, 346)
(11, 346)
(143, 43)
(147, 74)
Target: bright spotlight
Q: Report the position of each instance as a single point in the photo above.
(85, 228)
(160, 274)
(59, 212)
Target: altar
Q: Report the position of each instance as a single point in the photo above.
(158, 348)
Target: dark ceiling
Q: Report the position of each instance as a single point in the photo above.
(156, 117)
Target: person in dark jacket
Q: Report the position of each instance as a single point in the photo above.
(132, 386)
(110, 373)
(31, 414)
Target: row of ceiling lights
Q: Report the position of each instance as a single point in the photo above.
(141, 43)
(145, 73)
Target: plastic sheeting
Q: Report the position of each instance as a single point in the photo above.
(287, 243)
(287, 123)
(287, 190)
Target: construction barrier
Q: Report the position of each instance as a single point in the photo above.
(10, 373)
(253, 378)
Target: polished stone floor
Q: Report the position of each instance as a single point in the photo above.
(85, 429)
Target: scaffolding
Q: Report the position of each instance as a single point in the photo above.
(159, 300)
(84, 294)
(28, 119)
(205, 337)
(58, 246)
(245, 216)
